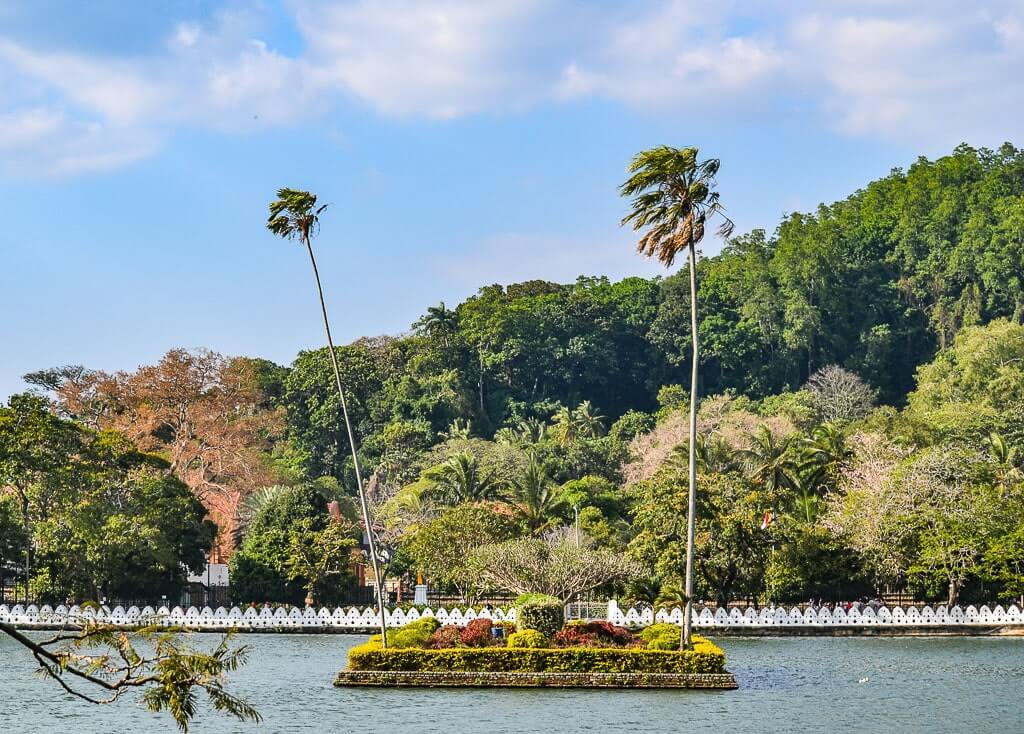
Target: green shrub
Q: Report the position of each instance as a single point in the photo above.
(632, 424)
(706, 659)
(546, 614)
(527, 639)
(663, 636)
(414, 634)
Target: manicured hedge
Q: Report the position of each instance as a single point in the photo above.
(546, 614)
(704, 658)
(528, 638)
(662, 636)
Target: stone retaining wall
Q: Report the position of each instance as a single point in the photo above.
(450, 679)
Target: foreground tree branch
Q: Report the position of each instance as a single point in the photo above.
(99, 664)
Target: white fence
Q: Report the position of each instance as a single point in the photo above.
(366, 619)
(983, 616)
(235, 618)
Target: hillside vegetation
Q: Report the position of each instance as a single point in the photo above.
(863, 381)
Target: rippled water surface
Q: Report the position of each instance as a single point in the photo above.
(789, 684)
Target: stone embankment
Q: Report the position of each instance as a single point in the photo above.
(452, 679)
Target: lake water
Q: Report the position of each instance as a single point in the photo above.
(786, 685)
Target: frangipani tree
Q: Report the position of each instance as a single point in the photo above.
(555, 565)
(673, 198)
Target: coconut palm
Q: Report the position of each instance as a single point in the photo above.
(460, 478)
(506, 436)
(823, 454)
(589, 423)
(295, 215)
(563, 426)
(1006, 459)
(673, 198)
(571, 424)
(769, 460)
(439, 322)
(535, 498)
(714, 456)
(531, 430)
(250, 507)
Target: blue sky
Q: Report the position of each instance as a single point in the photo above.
(459, 144)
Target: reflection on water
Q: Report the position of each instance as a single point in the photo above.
(788, 684)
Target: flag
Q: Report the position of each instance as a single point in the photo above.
(769, 518)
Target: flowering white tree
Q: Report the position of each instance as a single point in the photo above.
(867, 510)
(931, 516)
(840, 395)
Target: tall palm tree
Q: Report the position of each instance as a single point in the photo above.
(673, 198)
(824, 453)
(295, 215)
(714, 456)
(250, 507)
(531, 430)
(1005, 456)
(571, 424)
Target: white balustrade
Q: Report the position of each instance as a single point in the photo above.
(353, 618)
(863, 616)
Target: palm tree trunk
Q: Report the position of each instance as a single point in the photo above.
(363, 504)
(480, 384)
(691, 515)
(28, 544)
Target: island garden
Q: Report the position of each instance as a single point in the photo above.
(538, 650)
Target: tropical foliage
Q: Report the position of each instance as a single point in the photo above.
(854, 358)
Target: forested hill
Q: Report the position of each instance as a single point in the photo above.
(876, 283)
(544, 397)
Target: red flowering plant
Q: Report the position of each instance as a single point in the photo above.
(478, 634)
(594, 634)
(444, 637)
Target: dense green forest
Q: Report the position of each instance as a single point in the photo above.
(862, 370)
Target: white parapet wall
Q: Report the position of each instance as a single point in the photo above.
(237, 618)
(823, 617)
(359, 619)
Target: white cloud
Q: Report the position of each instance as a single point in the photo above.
(187, 34)
(930, 71)
(441, 59)
(678, 54)
(75, 113)
(47, 139)
(939, 77)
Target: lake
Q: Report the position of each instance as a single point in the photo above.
(796, 684)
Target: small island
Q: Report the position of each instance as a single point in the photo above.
(538, 651)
